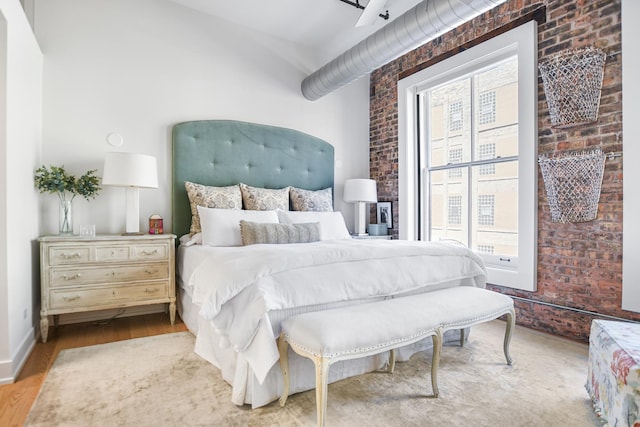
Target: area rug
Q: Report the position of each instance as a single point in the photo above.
(158, 381)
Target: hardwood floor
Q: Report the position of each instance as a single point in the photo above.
(16, 399)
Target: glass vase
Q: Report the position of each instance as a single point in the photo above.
(66, 218)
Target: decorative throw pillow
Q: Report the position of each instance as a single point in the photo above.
(332, 226)
(221, 227)
(264, 199)
(254, 233)
(211, 197)
(307, 200)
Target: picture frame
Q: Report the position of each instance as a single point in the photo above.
(384, 213)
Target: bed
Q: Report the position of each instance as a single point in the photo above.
(233, 297)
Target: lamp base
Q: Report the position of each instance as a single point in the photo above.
(360, 223)
(133, 211)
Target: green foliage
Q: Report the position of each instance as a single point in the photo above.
(56, 180)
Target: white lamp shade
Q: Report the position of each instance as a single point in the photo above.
(360, 190)
(130, 170)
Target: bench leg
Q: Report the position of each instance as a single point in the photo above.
(392, 361)
(462, 337)
(435, 361)
(283, 349)
(511, 321)
(322, 378)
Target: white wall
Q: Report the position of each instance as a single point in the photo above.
(20, 138)
(139, 67)
(631, 149)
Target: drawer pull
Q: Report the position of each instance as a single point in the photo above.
(71, 256)
(153, 252)
(72, 277)
(73, 298)
(149, 271)
(112, 274)
(151, 291)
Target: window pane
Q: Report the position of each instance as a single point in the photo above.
(449, 210)
(495, 209)
(449, 112)
(496, 111)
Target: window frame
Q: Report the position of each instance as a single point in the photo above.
(518, 273)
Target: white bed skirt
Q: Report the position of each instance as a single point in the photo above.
(246, 389)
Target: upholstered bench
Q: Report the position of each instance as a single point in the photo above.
(614, 371)
(371, 328)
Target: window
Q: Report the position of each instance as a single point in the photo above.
(467, 152)
(487, 110)
(487, 152)
(485, 209)
(485, 249)
(455, 156)
(473, 170)
(455, 210)
(455, 116)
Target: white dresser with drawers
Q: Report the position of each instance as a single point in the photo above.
(104, 272)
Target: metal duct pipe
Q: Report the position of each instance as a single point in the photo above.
(426, 21)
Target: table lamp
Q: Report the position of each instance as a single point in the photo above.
(132, 171)
(361, 192)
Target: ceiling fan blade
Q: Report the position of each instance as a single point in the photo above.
(371, 12)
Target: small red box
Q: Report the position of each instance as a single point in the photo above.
(155, 224)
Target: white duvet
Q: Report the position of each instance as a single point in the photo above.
(237, 286)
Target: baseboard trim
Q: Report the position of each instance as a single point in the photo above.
(10, 369)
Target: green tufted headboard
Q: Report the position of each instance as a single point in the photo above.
(226, 152)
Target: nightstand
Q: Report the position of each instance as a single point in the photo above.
(368, 236)
(107, 271)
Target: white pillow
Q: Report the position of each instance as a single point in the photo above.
(221, 227)
(189, 240)
(332, 226)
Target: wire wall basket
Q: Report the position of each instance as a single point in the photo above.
(573, 183)
(572, 83)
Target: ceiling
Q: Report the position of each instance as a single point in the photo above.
(327, 26)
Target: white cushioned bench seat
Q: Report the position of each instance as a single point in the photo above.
(381, 326)
(362, 330)
(466, 306)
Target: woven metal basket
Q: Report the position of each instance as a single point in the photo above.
(573, 183)
(572, 83)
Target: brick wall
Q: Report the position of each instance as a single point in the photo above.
(579, 264)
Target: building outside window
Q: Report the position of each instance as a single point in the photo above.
(481, 162)
(485, 249)
(487, 110)
(487, 152)
(455, 156)
(455, 116)
(486, 206)
(455, 210)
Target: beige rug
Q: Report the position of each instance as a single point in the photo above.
(159, 381)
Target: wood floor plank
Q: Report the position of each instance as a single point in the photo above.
(16, 399)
